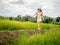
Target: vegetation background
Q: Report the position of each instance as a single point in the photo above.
(23, 31)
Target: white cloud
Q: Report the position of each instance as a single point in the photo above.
(28, 7)
(29, 1)
(13, 9)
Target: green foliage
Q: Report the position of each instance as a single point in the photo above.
(18, 18)
(49, 38)
(17, 25)
(45, 26)
(57, 23)
(47, 19)
(11, 18)
(4, 18)
(25, 18)
(58, 19)
(29, 18)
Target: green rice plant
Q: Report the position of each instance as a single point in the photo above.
(17, 25)
(22, 38)
(49, 38)
(49, 26)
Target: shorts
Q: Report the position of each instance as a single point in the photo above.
(39, 20)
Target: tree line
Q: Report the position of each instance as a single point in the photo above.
(33, 19)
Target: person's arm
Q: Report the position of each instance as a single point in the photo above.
(35, 14)
(42, 17)
(42, 14)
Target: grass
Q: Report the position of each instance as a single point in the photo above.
(48, 38)
(51, 37)
(17, 25)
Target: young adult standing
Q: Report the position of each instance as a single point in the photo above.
(39, 14)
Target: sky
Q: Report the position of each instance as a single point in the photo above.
(13, 8)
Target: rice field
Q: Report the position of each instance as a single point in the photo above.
(51, 37)
(17, 25)
(29, 37)
(48, 38)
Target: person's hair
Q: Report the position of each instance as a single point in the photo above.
(39, 9)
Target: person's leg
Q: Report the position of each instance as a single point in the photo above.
(38, 25)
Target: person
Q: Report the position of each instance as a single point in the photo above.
(39, 14)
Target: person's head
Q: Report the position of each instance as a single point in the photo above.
(39, 9)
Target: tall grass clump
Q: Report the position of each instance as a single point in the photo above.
(49, 38)
(22, 38)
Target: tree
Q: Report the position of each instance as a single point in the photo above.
(25, 18)
(58, 19)
(10, 18)
(18, 18)
(47, 19)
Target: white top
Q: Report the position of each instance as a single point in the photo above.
(39, 15)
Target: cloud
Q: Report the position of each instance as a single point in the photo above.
(10, 9)
(28, 7)
(17, 2)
